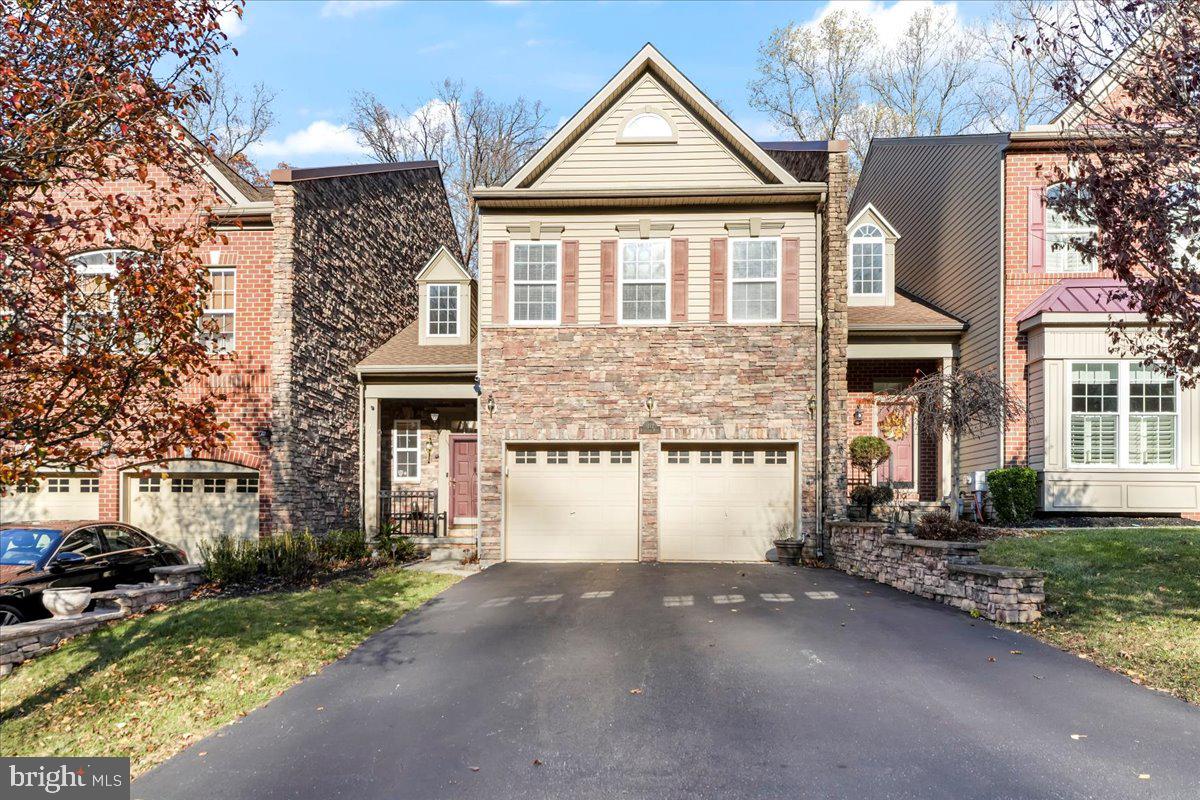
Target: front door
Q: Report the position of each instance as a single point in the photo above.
(464, 498)
(897, 423)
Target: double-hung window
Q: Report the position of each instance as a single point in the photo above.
(94, 305)
(754, 280)
(443, 309)
(221, 309)
(535, 282)
(866, 261)
(1063, 234)
(1122, 414)
(644, 271)
(406, 450)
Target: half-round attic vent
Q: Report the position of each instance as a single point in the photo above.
(648, 125)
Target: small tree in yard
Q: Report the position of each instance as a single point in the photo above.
(1134, 158)
(958, 404)
(101, 358)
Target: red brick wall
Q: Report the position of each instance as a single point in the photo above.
(1022, 170)
(861, 375)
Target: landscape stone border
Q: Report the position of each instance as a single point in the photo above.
(20, 643)
(948, 572)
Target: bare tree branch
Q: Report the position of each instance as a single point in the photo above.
(229, 123)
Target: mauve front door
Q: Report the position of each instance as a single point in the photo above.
(463, 483)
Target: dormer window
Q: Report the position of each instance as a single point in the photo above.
(443, 309)
(866, 261)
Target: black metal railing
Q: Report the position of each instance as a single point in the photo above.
(411, 512)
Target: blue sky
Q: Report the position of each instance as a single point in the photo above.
(315, 54)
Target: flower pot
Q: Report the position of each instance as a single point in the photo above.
(787, 551)
(67, 603)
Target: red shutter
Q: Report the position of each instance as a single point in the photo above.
(500, 282)
(1037, 231)
(570, 282)
(608, 281)
(679, 280)
(790, 296)
(716, 279)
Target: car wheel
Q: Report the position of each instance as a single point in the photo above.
(10, 615)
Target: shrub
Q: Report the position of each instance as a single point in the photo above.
(396, 548)
(937, 525)
(288, 555)
(1014, 494)
(868, 452)
(343, 545)
(228, 560)
(868, 496)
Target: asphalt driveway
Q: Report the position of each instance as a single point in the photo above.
(696, 681)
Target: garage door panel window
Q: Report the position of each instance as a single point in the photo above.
(526, 457)
(149, 485)
(58, 485)
(678, 457)
(214, 485)
(754, 280)
(557, 457)
(776, 457)
(644, 271)
(247, 486)
(89, 485)
(182, 485)
(589, 456)
(743, 456)
(710, 457)
(620, 457)
(535, 282)
(406, 450)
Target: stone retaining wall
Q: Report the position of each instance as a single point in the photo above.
(948, 572)
(20, 643)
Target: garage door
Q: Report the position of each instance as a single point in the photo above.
(54, 497)
(571, 504)
(188, 508)
(724, 504)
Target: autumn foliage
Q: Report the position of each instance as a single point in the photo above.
(102, 357)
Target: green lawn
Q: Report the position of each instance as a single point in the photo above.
(1127, 599)
(150, 686)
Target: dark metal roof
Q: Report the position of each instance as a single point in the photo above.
(317, 173)
(821, 146)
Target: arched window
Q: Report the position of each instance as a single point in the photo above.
(1062, 234)
(95, 301)
(647, 125)
(866, 260)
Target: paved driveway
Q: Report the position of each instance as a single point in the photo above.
(696, 681)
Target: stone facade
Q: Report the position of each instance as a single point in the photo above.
(948, 572)
(834, 336)
(709, 383)
(347, 252)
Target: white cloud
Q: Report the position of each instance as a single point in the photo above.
(232, 24)
(890, 19)
(352, 8)
(318, 139)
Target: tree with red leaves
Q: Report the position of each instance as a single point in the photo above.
(103, 354)
(1130, 70)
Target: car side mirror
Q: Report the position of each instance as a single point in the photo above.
(67, 559)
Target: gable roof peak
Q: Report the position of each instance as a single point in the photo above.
(877, 214)
(443, 253)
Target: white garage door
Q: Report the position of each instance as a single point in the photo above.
(571, 504)
(54, 497)
(724, 504)
(189, 507)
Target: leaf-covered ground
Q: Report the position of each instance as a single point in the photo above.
(150, 686)
(1127, 599)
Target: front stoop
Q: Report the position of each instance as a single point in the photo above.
(455, 547)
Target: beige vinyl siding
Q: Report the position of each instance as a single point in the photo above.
(590, 228)
(943, 196)
(1112, 489)
(696, 159)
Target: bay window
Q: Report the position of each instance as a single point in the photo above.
(643, 275)
(754, 280)
(535, 282)
(1122, 414)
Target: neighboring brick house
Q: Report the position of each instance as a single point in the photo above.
(654, 379)
(1105, 433)
(312, 275)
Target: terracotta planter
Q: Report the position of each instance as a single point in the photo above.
(787, 551)
(67, 603)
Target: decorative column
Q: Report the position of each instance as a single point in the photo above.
(370, 426)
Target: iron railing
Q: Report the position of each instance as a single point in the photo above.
(412, 512)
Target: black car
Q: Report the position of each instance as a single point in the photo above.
(54, 555)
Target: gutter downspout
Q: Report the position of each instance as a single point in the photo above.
(819, 487)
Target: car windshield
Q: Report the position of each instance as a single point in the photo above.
(26, 546)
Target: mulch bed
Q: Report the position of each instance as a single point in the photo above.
(358, 572)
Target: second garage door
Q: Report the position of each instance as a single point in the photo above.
(189, 508)
(724, 504)
(571, 504)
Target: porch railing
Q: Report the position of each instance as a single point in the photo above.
(412, 512)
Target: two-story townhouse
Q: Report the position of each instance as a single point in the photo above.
(308, 276)
(661, 342)
(1106, 433)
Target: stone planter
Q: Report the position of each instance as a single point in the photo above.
(787, 551)
(67, 603)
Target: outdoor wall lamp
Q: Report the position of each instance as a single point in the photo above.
(491, 404)
(812, 407)
(650, 406)
(858, 415)
(433, 415)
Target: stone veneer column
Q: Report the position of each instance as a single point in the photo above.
(834, 335)
(283, 219)
(651, 437)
